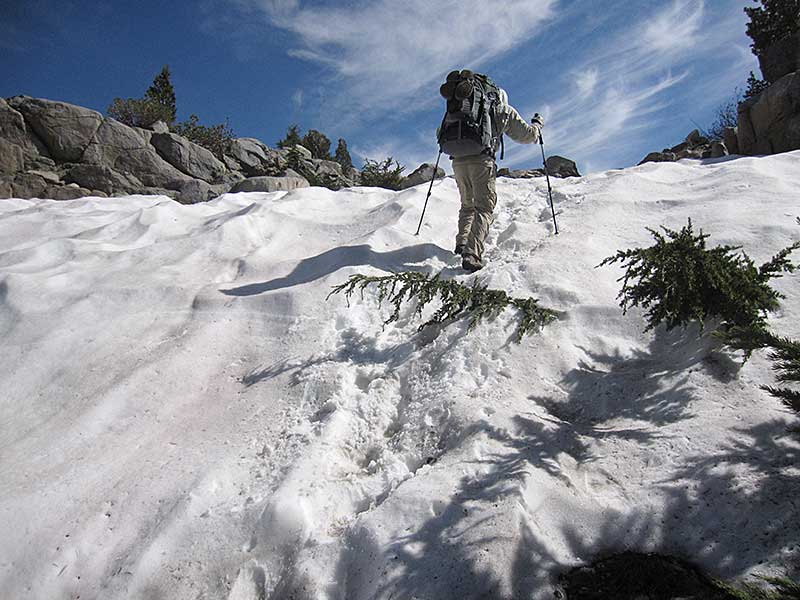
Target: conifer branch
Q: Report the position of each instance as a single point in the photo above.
(678, 281)
(477, 301)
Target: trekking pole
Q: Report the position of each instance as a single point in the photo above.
(430, 189)
(549, 189)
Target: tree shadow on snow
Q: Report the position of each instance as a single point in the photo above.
(708, 518)
(354, 348)
(443, 558)
(359, 349)
(651, 386)
(322, 265)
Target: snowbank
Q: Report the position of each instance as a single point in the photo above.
(184, 415)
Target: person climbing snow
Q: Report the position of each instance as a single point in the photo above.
(478, 115)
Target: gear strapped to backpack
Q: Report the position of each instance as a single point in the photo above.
(470, 126)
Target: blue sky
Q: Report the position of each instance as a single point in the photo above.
(615, 79)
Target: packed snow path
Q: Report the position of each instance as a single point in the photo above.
(184, 415)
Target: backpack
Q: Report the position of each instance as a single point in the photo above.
(470, 125)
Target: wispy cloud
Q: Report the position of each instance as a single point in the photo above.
(586, 81)
(608, 86)
(627, 84)
(384, 52)
(297, 99)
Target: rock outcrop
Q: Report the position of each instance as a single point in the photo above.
(56, 150)
(696, 145)
(770, 122)
(191, 159)
(557, 166)
(269, 184)
(64, 128)
(122, 149)
(422, 174)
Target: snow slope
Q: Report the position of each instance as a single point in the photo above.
(184, 415)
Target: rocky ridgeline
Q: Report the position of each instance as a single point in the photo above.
(768, 123)
(557, 166)
(695, 145)
(51, 149)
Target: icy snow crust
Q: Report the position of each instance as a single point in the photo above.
(184, 415)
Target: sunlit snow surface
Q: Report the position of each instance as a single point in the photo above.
(184, 415)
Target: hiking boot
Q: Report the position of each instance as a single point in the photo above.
(471, 263)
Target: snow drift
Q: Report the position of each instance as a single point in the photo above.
(184, 415)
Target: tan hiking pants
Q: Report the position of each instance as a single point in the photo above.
(475, 176)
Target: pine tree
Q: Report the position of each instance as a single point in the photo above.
(161, 96)
(754, 86)
(158, 104)
(292, 137)
(318, 144)
(771, 22)
(216, 138)
(386, 174)
(342, 156)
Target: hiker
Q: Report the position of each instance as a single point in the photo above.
(478, 114)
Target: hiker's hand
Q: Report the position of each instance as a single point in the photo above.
(538, 120)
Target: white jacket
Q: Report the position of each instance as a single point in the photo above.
(511, 123)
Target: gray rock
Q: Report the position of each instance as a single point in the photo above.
(159, 127)
(696, 153)
(718, 150)
(520, 173)
(6, 187)
(12, 125)
(558, 166)
(48, 176)
(781, 58)
(682, 147)
(14, 130)
(102, 178)
(770, 123)
(304, 152)
(659, 157)
(28, 185)
(231, 163)
(228, 180)
(695, 138)
(269, 184)
(146, 134)
(66, 192)
(328, 166)
(730, 137)
(12, 158)
(40, 163)
(422, 174)
(188, 157)
(124, 150)
(353, 175)
(157, 191)
(256, 158)
(65, 129)
(249, 152)
(197, 190)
